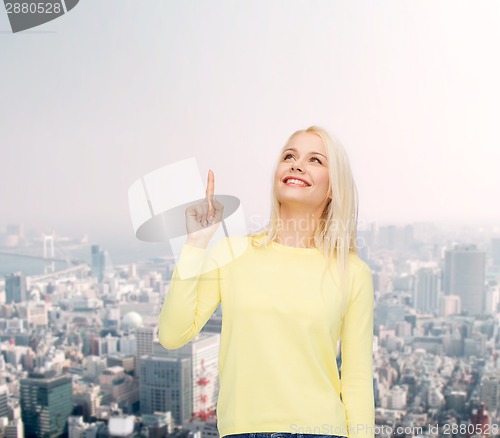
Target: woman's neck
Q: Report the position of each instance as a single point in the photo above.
(296, 228)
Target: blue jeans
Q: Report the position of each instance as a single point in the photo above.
(280, 435)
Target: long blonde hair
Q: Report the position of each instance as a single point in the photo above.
(338, 222)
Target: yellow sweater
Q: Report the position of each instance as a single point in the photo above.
(280, 327)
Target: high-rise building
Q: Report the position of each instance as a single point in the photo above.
(464, 274)
(15, 429)
(446, 272)
(490, 390)
(101, 262)
(495, 250)
(426, 290)
(144, 337)
(15, 288)
(203, 351)
(46, 404)
(4, 401)
(166, 385)
(492, 299)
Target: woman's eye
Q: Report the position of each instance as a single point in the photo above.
(313, 158)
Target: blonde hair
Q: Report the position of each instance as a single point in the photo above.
(335, 236)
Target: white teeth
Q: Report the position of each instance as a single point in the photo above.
(296, 181)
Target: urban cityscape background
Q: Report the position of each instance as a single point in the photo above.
(79, 355)
(114, 89)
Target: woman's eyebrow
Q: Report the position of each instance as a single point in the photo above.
(295, 150)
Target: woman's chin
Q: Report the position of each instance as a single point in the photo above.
(295, 201)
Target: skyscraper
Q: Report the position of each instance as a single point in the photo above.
(144, 337)
(101, 262)
(4, 399)
(15, 288)
(495, 250)
(166, 385)
(46, 404)
(203, 351)
(464, 276)
(426, 290)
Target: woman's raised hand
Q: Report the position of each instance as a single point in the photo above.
(202, 219)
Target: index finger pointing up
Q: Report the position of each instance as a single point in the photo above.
(210, 192)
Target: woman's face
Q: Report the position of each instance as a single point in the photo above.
(304, 158)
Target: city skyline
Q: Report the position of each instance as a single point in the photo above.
(435, 359)
(99, 333)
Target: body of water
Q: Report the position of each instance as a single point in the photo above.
(120, 255)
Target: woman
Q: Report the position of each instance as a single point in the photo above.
(293, 291)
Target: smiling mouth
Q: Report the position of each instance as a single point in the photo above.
(292, 182)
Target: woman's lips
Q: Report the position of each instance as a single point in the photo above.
(300, 180)
(296, 185)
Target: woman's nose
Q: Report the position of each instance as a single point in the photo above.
(296, 166)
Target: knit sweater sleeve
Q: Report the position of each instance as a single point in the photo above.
(192, 297)
(357, 356)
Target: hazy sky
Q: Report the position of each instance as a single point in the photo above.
(118, 88)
